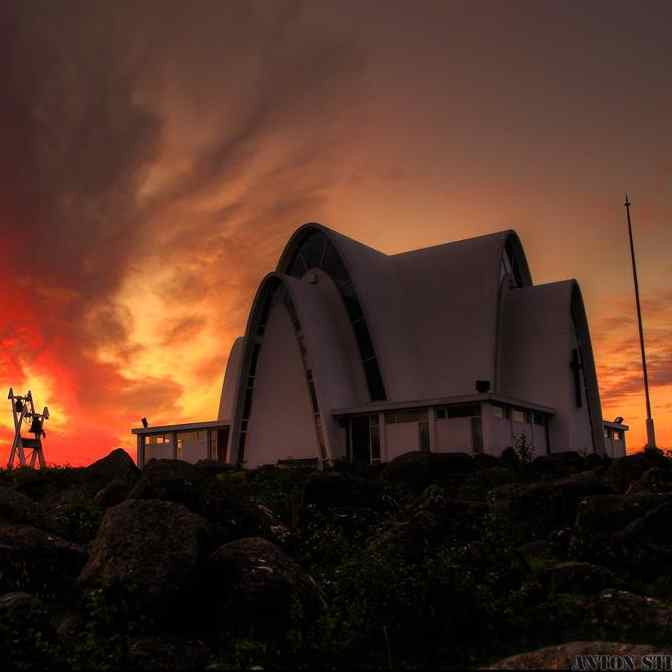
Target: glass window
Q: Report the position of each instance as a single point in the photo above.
(298, 267)
(374, 380)
(334, 267)
(254, 359)
(180, 447)
(312, 250)
(519, 416)
(539, 419)
(410, 415)
(618, 435)
(375, 438)
(501, 412)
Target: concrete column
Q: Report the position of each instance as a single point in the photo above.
(141, 451)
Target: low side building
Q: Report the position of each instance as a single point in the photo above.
(352, 354)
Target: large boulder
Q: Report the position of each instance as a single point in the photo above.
(540, 508)
(430, 519)
(27, 640)
(557, 465)
(171, 480)
(258, 591)
(625, 470)
(653, 480)
(232, 515)
(325, 490)
(578, 577)
(417, 470)
(118, 465)
(15, 507)
(35, 561)
(568, 656)
(478, 485)
(626, 616)
(230, 512)
(599, 516)
(646, 543)
(149, 550)
(167, 654)
(115, 492)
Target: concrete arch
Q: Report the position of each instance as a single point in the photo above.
(316, 246)
(326, 364)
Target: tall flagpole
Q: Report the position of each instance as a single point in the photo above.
(650, 433)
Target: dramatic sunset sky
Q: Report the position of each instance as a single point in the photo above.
(156, 155)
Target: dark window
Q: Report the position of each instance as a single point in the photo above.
(312, 250)
(352, 305)
(576, 367)
(254, 359)
(361, 438)
(241, 446)
(313, 396)
(247, 406)
(317, 252)
(363, 340)
(375, 437)
(440, 413)
(463, 411)
(298, 267)
(334, 267)
(423, 428)
(515, 267)
(406, 415)
(374, 380)
(476, 435)
(539, 419)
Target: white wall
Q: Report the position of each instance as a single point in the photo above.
(400, 438)
(536, 349)
(281, 422)
(332, 352)
(614, 448)
(231, 379)
(539, 440)
(453, 435)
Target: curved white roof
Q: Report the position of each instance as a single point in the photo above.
(432, 313)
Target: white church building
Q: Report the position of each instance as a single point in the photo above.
(352, 354)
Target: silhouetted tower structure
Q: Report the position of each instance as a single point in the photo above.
(650, 433)
(23, 410)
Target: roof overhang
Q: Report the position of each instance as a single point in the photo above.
(185, 427)
(615, 425)
(380, 406)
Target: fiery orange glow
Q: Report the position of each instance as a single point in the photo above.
(152, 171)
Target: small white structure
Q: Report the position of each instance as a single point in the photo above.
(353, 354)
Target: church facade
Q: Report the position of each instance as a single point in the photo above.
(352, 354)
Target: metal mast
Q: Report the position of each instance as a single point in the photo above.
(650, 433)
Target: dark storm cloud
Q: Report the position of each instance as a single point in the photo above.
(90, 97)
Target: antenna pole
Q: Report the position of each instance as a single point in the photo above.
(650, 433)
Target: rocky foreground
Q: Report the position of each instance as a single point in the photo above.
(442, 561)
